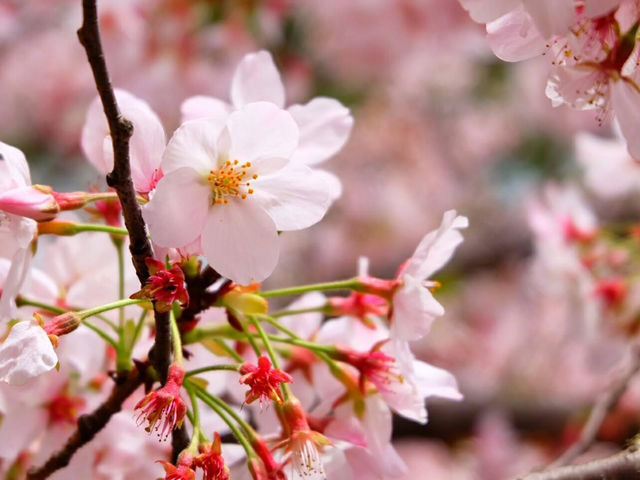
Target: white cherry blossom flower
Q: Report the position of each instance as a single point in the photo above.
(324, 123)
(16, 232)
(26, 353)
(145, 146)
(414, 307)
(235, 188)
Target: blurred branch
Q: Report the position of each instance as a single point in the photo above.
(90, 424)
(600, 410)
(621, 466)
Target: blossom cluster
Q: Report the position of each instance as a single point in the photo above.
(321, 377)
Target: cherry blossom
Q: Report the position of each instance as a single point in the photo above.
(146, 145)
(163, 409)
(210, 460)
(263, 381)
(164, 286)
(26, 353)
(235, 189)
(16, 232)
(324, 123)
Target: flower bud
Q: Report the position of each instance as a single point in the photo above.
(34, 202)
(245, 302)
(63, 324)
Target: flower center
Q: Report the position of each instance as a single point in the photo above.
(230, 180)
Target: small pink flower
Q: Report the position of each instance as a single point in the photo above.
(164, 286)
(211, 462)
(163, 409)
(264, 381)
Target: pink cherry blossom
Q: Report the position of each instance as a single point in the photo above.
(146, 145)
(235, 188)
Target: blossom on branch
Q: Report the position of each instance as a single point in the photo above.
(163, 409)
(263, 381)
(235, 189)
(164, 286)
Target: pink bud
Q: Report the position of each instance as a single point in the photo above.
(34, 202)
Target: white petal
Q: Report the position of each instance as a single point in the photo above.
(295, 197)
(597, 8)
(436, 382)
(261, 131)
(201, 106)
(325, 125)
(178, 209)
(437, 247)
(240, 241)
(192, 145)
(625, 100)
(514, 37)
(552, 17)
(146, 145)
(26, 353)
(257, 79)
(15, 278)
(14, 170)
(414, 310)
(484, 11)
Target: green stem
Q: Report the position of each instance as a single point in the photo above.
(272, 355)
(105, 336)
(27, 302)
(212, 368)
(109, 306)
(230, 351)
(138, 330)
(350, 284)
(175, 339)
(210, 401)
(195, 421)
(249, 336)
(287, 313)
(119, 247)
(94, 227)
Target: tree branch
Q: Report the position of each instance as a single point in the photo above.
(89, 425)
(621, 466)
(140, 247)
(599, 412)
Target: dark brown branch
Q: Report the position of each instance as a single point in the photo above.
(121, 130)
(621, 466)
(598, 414)
(120, 179)
(89, 425)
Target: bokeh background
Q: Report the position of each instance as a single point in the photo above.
(440, 123)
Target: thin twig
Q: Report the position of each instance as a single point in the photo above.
(89, 425)
(599, 412)
(621, 466)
